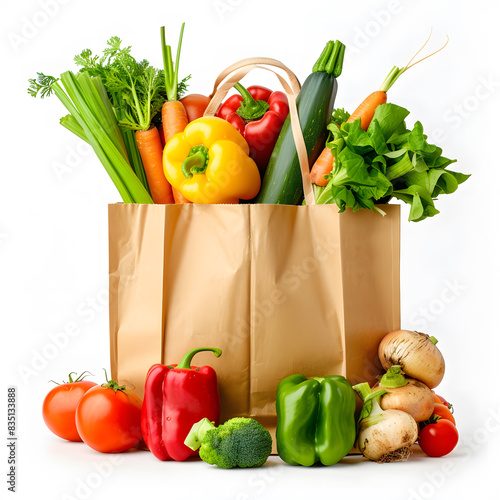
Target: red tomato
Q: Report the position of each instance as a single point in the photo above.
(108, 418)
(439, 439)
(195, 105)
(60, 404)
(444, 412)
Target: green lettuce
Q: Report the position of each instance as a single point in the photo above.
(386, 161)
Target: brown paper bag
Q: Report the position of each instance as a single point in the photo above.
(280, 289)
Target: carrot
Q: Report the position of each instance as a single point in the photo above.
(322, 167)
(179, 197)
(173, 114)
(365, 112)
(151, 151)
(366, 109)
(174, 119)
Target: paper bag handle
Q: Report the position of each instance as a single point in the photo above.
(235, 72)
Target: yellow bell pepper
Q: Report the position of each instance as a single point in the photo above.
(209, 163)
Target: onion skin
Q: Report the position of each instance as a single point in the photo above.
(414, 398)
(397, 430)
(414, 351)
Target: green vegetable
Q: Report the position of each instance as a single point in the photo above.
(239, 442)
(386, 161)
(132, 93)
(92, 117)
(316, 420)
(133, 88)
(174, 90)
(282, 182)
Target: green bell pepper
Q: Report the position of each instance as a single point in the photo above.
(316, 420)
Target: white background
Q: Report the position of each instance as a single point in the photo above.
(53, 226)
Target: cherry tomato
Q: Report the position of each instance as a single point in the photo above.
(195, 105)
(438, 439)
(108, 418)
(60, 404)
(444, 412)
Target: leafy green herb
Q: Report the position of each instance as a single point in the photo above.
(386, 161)
(42, 85)
(112, 96)
(339, 116)
(134, 86)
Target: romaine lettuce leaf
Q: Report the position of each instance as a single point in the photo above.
(385, 161)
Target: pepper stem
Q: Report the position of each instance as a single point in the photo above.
(186, 360)
(393, 377)
(196, 161)
(250, 109)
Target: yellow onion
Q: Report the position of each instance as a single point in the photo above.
(416, 353)
(405, 394)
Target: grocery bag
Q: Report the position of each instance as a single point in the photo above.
(280, 289)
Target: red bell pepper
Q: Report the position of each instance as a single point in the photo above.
(175, 398)
(258, 114)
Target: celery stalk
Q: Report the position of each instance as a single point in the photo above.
(108, 114)
(85, 104)
(69, 122)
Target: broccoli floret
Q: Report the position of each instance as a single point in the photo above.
(239, 442)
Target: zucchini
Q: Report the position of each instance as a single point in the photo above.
(282, 182)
